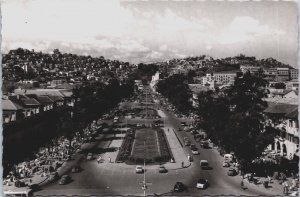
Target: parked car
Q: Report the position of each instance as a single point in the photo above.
(202, 184)
(226, 164)
(228, 157)
(187, 143)
(65, 179)
(139, 169)
(179, 187)
(89, 156)
(183, 124)
(204, 144)
(162, 169)
(232, 172)
(76, 169)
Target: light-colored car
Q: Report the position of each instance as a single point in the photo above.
(195, 151)
(202, 184)
(139, 169)
(226, 164)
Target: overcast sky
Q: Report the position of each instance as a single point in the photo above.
(141, 31)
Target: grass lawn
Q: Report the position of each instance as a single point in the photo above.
(149, 136)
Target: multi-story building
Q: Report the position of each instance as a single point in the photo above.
(251, 69)
(293, 74)
(283, 74)
(286, 144)
(209, 81)
(270, 74)
(225, 77)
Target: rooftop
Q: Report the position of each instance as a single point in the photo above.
(10, 106)
(280, 108)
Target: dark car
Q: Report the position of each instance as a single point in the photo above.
(232, 172)
(76, 169)
(179, 187)
(34, 187)
(65, 179)
(162, 169)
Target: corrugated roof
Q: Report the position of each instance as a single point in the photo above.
(197, 88)
(30, 101)
(55, 98)
(293, 114)
(280, 108)
(9, 105)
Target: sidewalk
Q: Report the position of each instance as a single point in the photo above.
(274, 188)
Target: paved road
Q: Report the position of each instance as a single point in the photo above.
(120, 179)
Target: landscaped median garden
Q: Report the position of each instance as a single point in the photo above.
(149, 144)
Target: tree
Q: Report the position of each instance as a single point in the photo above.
(234, 118)
(177, 91)
(279, 85)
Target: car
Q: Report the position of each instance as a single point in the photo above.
(232, 172)
(202, 184)
(183, 124)
(179, 187)
(226, 164)
(139, 169)
(162, 169)
(204, 164)
(76, 169)
(65, 179)
(204, 144)
(89, 156)
(187, 142)
(34, 187)
(194, 150)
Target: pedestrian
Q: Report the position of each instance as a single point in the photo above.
(182, 164)
(109, 160)
(285, 187)
(99, 159)
(269, 178)
(242, 184)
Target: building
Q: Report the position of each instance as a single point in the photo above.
(11, 111)
(209, 81)
(270, 74)
(225, 77)
(292, 85)
(293, 74)
(30, 105)
(251, 69)
(283, 74)
(286, 144)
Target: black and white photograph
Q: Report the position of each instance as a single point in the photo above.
(149, 98)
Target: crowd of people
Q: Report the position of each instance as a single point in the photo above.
(48, 159)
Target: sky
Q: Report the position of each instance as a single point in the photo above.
(150, 31)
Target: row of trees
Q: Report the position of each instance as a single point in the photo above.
(93, 100)
(234, 118)
(177, 91)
